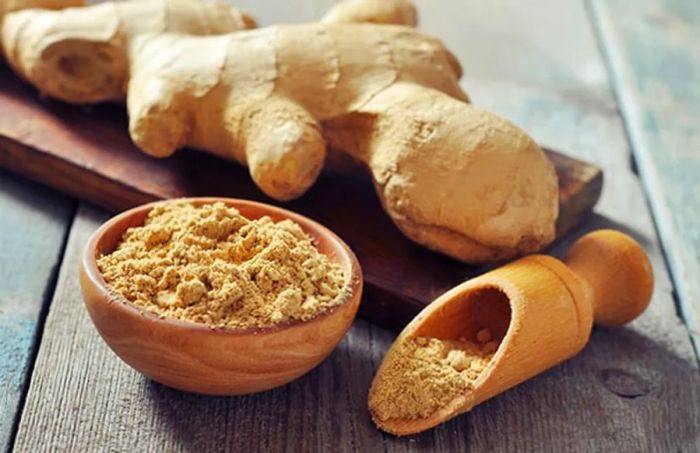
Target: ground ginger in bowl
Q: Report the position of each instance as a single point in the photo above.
(219, 296)
(209, 264)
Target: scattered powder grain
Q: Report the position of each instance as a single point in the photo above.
(211, 265)
(421, 375)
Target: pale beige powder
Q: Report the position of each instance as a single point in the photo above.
(211, 265)
(421, 375)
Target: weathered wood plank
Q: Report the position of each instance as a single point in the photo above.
(33, 223)
(628, 391)
(653, 51)
(105, 405)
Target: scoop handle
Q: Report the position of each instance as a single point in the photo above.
(616, 271)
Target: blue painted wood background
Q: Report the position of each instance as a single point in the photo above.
(653, 51)
(33, 224)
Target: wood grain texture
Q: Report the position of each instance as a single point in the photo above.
(653, 52)
(33, 223)
(89, 154)
(631, 389)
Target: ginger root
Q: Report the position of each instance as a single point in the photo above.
(452, 177)
(80, 55)
(396, 12)
(8, 6)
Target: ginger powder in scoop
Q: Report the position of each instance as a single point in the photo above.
(209, 264)
(422, 375)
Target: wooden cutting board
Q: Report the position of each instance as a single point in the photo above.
(87, 153)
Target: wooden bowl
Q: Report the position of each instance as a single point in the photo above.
(216, 360)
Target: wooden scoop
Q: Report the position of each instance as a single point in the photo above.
(539, 309)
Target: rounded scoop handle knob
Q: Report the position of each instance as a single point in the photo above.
(617, 273)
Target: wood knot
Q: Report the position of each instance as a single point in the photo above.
(624, 384)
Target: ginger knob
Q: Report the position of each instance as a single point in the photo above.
(617, 273)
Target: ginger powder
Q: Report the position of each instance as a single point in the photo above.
(421, 375)
(209, 264)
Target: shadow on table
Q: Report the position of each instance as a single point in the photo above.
(323, 410)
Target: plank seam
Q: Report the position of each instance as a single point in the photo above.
(654, 202)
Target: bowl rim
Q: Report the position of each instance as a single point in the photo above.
(351, 289)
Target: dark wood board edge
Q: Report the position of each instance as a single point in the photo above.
(581, 196)
(70, 178)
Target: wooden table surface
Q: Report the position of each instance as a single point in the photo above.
(609, 81)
